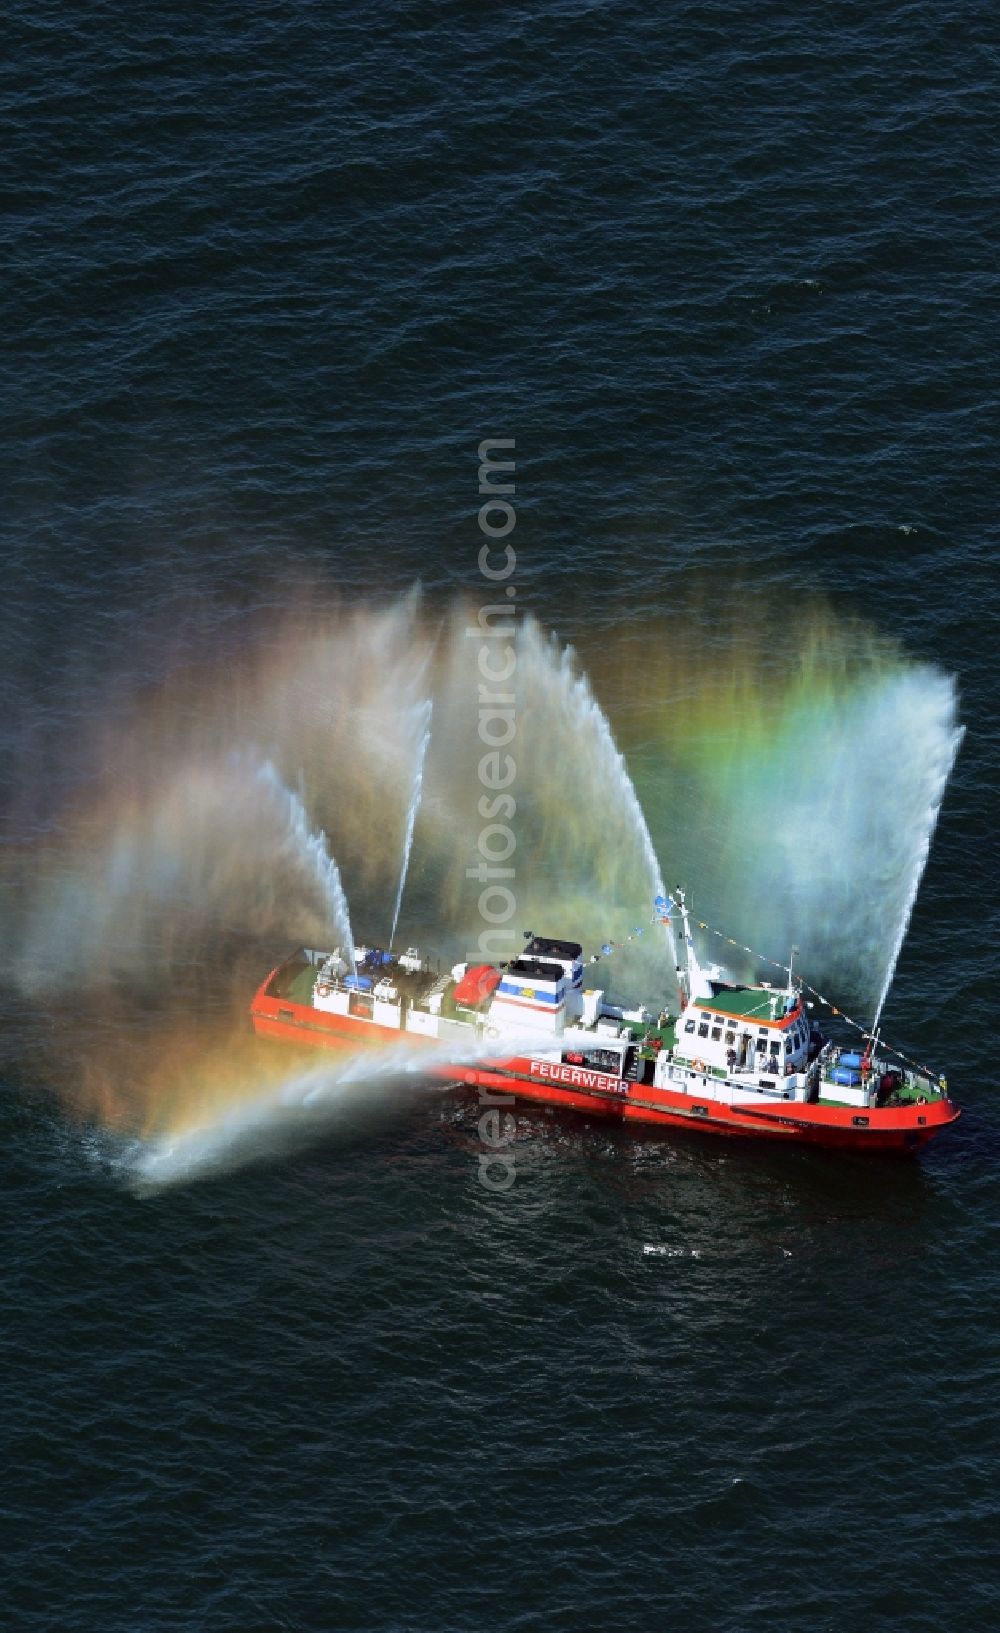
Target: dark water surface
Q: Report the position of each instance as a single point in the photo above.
(728, 275)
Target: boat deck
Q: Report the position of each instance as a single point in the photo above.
(296, 982)
(300, 987)
(914, 1093)
(645, 1036)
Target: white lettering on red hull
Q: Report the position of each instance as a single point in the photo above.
(577, 1077)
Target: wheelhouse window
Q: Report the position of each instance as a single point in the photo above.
(703, 1029)
(716, 1034)
(689, 1026)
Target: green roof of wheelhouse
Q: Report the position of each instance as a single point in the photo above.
(748, 1004)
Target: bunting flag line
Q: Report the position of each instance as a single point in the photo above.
(663, 907)
(826, 1002)
(610, 946)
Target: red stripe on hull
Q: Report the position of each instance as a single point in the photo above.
(888, 1128)
(317, 1028)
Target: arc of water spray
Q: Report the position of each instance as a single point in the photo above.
(934, 809)
(298, 1103)
(580, 691)
(423, 713)
(312, 848)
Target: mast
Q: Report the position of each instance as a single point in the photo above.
(790, 989)
(696, 980)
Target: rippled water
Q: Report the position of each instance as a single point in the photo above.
(729, 280)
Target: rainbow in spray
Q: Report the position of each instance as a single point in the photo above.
(791, 778)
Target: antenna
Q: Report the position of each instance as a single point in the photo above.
(791, 962)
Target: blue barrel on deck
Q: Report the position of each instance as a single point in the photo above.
(360, 983)
(850, 1060)
(843, 1074)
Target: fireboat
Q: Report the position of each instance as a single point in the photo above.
(737, 1059)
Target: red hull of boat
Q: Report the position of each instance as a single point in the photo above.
(878, 1129)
